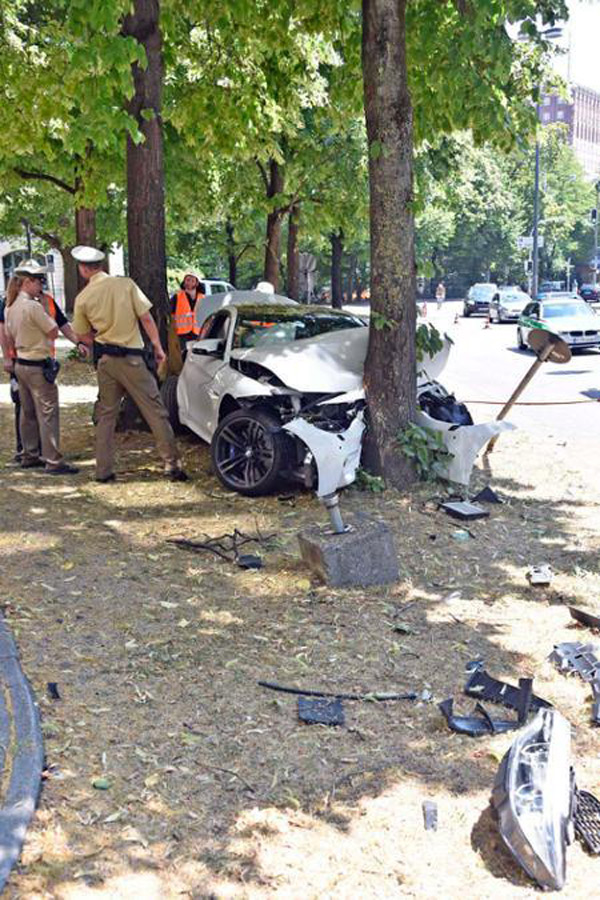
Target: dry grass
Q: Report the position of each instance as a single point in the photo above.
(215, 788)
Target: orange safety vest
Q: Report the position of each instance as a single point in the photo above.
(50, 307)
(185, 320)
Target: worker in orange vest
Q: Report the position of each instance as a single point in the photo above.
(183, 307)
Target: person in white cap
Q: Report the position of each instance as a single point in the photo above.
(109, 312)
(31, 333)
(183, 307)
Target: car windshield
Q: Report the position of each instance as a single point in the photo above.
(482, 292)
(513, 297)
(565, 309)
(263, 326)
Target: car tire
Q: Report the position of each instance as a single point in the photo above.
(255, 430)
(466, 312)
(520, 342)
(168, 393)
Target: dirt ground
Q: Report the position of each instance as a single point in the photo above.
(171, 773)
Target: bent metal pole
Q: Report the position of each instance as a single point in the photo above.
(547, 346)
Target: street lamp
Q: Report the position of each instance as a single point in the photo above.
(550, 34)
(595, 270)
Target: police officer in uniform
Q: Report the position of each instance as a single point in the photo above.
(31, 333)
(109, 312)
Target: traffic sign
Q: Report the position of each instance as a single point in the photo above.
(526, 242)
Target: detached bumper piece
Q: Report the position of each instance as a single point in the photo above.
(583, 660)
(479, 723)
(484, 687)
(533, 797)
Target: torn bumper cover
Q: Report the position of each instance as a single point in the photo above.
(336, 453)
(533, 797)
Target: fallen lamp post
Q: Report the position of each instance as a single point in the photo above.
(548, 347)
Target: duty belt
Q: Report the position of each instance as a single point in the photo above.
(101, 350)
(30, 362)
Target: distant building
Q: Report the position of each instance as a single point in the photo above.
(581, 113)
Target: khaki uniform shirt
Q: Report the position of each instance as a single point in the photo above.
(111, 306)
(29, 325)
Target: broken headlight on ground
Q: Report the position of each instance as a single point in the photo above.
(533, 797)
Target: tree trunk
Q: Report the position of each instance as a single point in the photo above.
(293, 256)
(70, 278)
(337, 249)
(275, 185)
(231, 255)
(351, 274)
(390, 372)
(145, 165)
(85, 233)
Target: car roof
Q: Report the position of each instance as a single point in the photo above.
(559, 296)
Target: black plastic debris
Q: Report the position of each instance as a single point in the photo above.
(53, 693)
(248, 561)
(487, 495)
(462, 509)
(484, 687)
(320, 712)
(378, 696)
(587, 820)
(478, 724)
(584, 618)
(430, 815)
(583, 660)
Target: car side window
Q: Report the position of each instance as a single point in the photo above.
(205, 330)
(218, 327)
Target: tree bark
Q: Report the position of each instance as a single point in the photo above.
(70, 278)
(390, 372)
(275, 183)
(231, 254)
(293, 255)
(145, 165)
(337, 249)
(85, 233)
(351, 274)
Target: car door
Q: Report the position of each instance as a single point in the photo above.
(529, 319)
(198, 394)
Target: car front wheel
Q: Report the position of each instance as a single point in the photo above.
(466, 312)
(248, 451)
(168, 393)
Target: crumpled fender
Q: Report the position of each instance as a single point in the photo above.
(463, 441)
(336, 453)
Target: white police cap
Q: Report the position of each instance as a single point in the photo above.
(30, 267)
(87, 254)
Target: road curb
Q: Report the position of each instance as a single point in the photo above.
(21, 754)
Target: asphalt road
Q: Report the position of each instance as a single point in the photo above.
(485, 364)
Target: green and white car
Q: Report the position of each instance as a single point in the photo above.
(564, 314)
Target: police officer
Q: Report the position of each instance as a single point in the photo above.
(109, 312)
(50, 306)
(31, 332)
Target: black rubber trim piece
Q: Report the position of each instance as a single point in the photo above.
(22, 752)
(484, 687)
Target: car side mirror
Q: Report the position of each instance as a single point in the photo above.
(209, 347)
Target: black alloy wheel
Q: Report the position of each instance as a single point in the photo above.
(168, 393)
(248, 451)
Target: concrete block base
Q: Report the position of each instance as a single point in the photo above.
(363, 556)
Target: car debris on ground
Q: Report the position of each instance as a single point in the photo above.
(583, 660)
(584, 618)
(541, 574)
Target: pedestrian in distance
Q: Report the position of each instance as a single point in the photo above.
(109, 313)
(440, 294)
(30, 333)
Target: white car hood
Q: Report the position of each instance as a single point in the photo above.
(573, 323)
(330, 363)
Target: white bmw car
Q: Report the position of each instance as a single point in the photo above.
(263, 368)
(276, 389)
